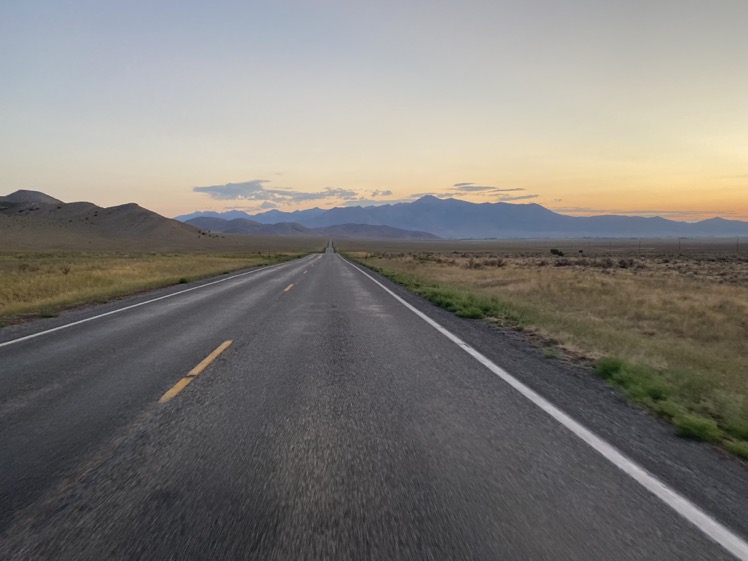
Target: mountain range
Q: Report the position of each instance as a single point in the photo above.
(247, 226)
(456, 219)
(34, 220)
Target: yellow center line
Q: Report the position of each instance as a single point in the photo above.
(195, 372)
(289, 287)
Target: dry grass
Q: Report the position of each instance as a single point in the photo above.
(42, 284)
(680, 321)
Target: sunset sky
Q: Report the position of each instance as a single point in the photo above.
(583, 106)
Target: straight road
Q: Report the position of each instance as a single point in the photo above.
(336, 424)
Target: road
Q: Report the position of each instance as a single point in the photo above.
(333, 423)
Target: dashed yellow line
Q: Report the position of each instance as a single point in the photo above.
(289, 287)
(195, 372)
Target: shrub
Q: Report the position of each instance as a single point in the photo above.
(697, 428)
(558, 252)
(739, 429)
(642, 384)
(470, 313)
(625, 263)
(609, 366)
(668, 409)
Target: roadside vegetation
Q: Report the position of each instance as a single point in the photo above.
(42, 284)
(669, 330)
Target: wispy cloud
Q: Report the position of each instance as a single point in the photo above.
(380, 193)
(507, 198)
(495, 194)
(248, 190)
(686, 215)
(375, 202)
(255, 190)
(473, 188)
(490, 192)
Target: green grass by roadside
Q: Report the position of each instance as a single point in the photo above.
(42, 284)
(675, 346)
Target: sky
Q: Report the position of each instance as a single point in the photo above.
(582, 106)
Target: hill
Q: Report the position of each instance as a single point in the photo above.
(25, 196)
(85, 225)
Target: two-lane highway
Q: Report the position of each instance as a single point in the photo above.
(63, 393)
(338, 424)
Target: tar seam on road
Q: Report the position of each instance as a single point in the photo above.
(61, 327)
(289, 287)
(709, 526)
(195, 372)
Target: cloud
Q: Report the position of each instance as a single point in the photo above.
(687, 215)
(498, 196)
(378, 193)
(473, 188)
(328, 193)
(376, 202)
(247, 190)
(506, 198)
(255, 190)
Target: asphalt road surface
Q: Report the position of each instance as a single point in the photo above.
(329, 421)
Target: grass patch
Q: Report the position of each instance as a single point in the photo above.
(43, 284)
(738, 448)
(462, 303)
(698, 428)
(609, 367)
(551, 353)
(667, 330)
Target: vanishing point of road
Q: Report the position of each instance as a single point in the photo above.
(306, 411)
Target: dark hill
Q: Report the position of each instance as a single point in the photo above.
(78, 225)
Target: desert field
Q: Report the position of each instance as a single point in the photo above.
(667, 325)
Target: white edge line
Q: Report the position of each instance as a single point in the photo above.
(61, 327)
(688, 510)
